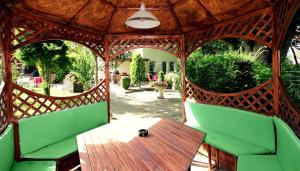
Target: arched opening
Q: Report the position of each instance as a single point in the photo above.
(225, 72)
(139, 89)
(67, 67)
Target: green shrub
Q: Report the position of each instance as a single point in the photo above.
(291, 78)
(161, 76)
(226, 73)
(125, 82)
(169, 77)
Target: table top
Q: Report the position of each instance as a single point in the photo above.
(116, 146)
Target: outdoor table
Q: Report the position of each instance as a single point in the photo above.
(116, 146)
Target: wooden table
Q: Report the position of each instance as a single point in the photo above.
(117, 146)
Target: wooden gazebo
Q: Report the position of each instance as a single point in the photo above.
(185, 26)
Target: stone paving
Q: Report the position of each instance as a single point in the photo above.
(144, 103)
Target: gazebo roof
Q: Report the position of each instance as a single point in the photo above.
(109, 16)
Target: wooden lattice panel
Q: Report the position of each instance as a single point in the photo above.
(259, 99)
(3, 111)
(119, 45)
(27, 103)
(256, 26)
(288, 111)
(27, 31)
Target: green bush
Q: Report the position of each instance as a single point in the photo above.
(169, 77)
(161, 76)
(226, 73)
(291, 78)
(125, 82)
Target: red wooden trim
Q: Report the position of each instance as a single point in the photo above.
(17, 141)
(112, 37)
(6, 61)
(107, 77)
(275, 64)
(41, 39)
(183, 76)
(142, 46)
(233, 94)
(16, 86)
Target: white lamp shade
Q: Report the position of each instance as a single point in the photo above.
(142, 19)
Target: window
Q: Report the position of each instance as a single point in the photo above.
(171, 67)
(152, 66)
(164, 67)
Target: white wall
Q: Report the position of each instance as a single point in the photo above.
(156, 55)
(159, 56)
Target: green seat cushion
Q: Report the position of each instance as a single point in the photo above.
(288, 146)
(34, 166)
(41, 131)
(55, 151)
(259, 163)
(248, 126)
(233, 145)
(7, 148)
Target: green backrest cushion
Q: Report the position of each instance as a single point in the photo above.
(7, 148)
(40, 131)
(288, 146)
(248, 126)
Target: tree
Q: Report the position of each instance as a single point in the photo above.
(137, 69)
(83, 63)
(50, 56)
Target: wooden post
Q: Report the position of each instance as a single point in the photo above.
(7, 74)
(6, 61)
(275, 63)
(107, 76)
(183, 75)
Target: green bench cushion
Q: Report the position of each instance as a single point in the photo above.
(288, 146)
(233, 145)
(42, 131)
(34, 166)
(7, 148)
(55, 151)
(259, 163)
(247, 126)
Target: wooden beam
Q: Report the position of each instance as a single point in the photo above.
(108, 3)
(76, 14)
(148, 9)
(112, 18)
(138, 36)
(275, 64)
(178, 24)
(179, 3)
(207, 12)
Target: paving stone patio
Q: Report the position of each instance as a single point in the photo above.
(144, 103)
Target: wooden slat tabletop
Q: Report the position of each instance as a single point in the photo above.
(117, 146)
